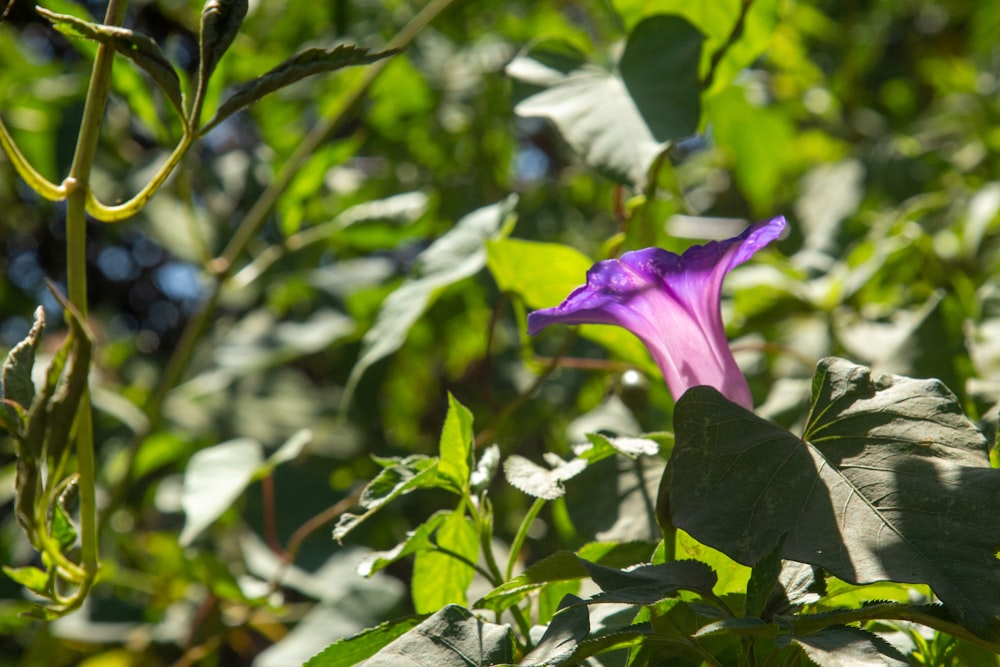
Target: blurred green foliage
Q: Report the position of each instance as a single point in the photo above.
(875, 127)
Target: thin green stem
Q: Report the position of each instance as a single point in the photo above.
(734, 37)
(522, 533)
(77, 185)
(126, 210)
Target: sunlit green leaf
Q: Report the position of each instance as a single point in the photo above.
(439, 578)
(455, 447)
(30, 577)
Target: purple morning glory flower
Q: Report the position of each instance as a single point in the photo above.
(672, 303)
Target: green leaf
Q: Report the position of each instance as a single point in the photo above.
(353, 650)
(16, 384)
(32, 578)
(891, 482)
(63, 530)
(560, 566)
(752, 627)
(568, 628)
(399, 477)
(439, 578)
(849, 647)
(214, 478)
(717, 21)
(542, 274)
(291, 449)
(220, 22)
(660, 72)
(642, 584)
(763, 579)
(798, 585)
(453, 637)
(455, 462)
(648, 584)
(456, 255)
(619, 122)
(135, 46)
(299, 66)
(416, 540)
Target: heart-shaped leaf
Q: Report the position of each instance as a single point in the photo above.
(890, 482)
(619, 121)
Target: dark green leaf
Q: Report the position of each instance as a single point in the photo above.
(763, 579)
(647, 584)
(400, 477)
(353, 650)
(455, 447)
(16, 384)
(660, 71)
(619, 123)
(560, 566)
(457, 255)
(135, 46)
(846, 646)
(220, 21)
(299, 66)
(798, 585)
(568, 628)
(453, 637)
(892, 482)
(752, 627)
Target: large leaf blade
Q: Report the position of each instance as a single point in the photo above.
(619, 122)
(891, 483)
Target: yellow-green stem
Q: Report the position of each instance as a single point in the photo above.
(77, 185)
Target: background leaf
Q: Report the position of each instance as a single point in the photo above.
(214, 478)
(299, 66)
(456, 255)
(619, 122)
